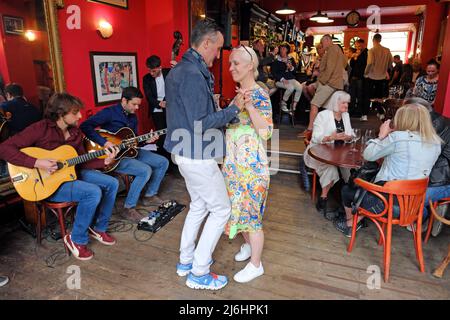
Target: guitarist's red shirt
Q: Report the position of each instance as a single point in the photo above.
(47, 135)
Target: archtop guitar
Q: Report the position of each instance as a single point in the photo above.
(125, 140)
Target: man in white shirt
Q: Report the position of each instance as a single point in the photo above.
(154, 90)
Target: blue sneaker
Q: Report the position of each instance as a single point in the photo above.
(210, 281)
(184, 269)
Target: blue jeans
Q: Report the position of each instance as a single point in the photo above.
(435, 194)
(95, 194)
(148, 169)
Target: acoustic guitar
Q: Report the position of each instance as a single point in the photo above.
(125, 140)
(35, 184)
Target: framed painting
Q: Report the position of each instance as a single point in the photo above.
(117, 3)
(111, 73)
(13, 25)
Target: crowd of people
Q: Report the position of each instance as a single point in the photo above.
(231, 199)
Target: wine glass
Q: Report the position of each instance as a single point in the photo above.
(356, 136)
(369, 134)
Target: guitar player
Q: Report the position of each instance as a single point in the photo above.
(154, 90)
(94, 192)
(148, 168)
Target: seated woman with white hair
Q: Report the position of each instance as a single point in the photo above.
(330, 126)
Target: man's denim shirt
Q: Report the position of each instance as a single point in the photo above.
(194, 126)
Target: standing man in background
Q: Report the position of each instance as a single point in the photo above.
(155, 92)
(379, 60)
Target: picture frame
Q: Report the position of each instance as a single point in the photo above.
(111, 72)
(13, 25)
(116, 3)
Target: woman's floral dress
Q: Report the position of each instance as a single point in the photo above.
(246, 168)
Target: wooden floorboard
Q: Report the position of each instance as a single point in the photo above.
(304, 256)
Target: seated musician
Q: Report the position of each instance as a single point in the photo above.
(148, 168)
(22, 113)
(94, 192)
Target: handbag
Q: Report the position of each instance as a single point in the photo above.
(368, 171)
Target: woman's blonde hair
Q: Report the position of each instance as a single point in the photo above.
(416, 118)
(245, 53)
(336, 99)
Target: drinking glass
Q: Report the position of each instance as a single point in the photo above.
(356, 136)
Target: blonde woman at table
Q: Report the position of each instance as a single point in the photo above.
(246, 168)
(330, 126)
(409, 150)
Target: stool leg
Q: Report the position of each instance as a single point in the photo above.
(62, 227)
(38, 225)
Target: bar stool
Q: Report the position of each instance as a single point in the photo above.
(60, 210)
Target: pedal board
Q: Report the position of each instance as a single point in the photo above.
(159, 218)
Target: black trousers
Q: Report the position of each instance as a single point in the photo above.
(374, 89)
(159, 120)
(357, 95)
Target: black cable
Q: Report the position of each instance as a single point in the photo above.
(57, 258)
(142, 239)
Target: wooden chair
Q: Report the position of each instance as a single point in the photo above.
(60, 210)
(441, 268)
(432, 217)
(307, 141)
(411, 197)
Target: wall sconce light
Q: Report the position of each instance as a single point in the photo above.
(105, 29)
(30, 35)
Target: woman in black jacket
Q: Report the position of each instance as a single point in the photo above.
(439, 184)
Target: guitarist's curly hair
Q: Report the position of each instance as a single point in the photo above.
(61, 104)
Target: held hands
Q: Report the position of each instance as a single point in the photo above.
(385, 129)
(46, 164)
(244, 97)
(162, 104)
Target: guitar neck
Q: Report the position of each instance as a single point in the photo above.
(144, 137)
(85, 157)
(124, 145)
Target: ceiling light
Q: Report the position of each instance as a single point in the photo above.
(318, 17)
(285, 9)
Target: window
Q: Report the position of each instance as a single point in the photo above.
(397, 42)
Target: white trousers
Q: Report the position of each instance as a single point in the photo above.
(209, 198)
(293, 85)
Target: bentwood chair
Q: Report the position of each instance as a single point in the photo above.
(61, 210)
(441, 268)
(432, 216)
(410, 198)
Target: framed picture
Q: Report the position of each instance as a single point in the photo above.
(111, 72)
(117, 3)
(13, 25)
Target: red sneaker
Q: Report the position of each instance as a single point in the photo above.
(103, 237)
(81, 252)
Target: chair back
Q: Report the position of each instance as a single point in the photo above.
(307, 138)
(410, 196)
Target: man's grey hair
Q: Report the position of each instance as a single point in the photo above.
(204, 28)
(420, 101)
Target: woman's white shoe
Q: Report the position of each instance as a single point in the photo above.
(244, 254)
(249, 273)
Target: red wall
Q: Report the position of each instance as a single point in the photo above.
(442, 103)
(146, 28)
(16, 67)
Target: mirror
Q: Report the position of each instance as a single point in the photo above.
(30, 53)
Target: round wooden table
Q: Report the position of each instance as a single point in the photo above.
(339, 155)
